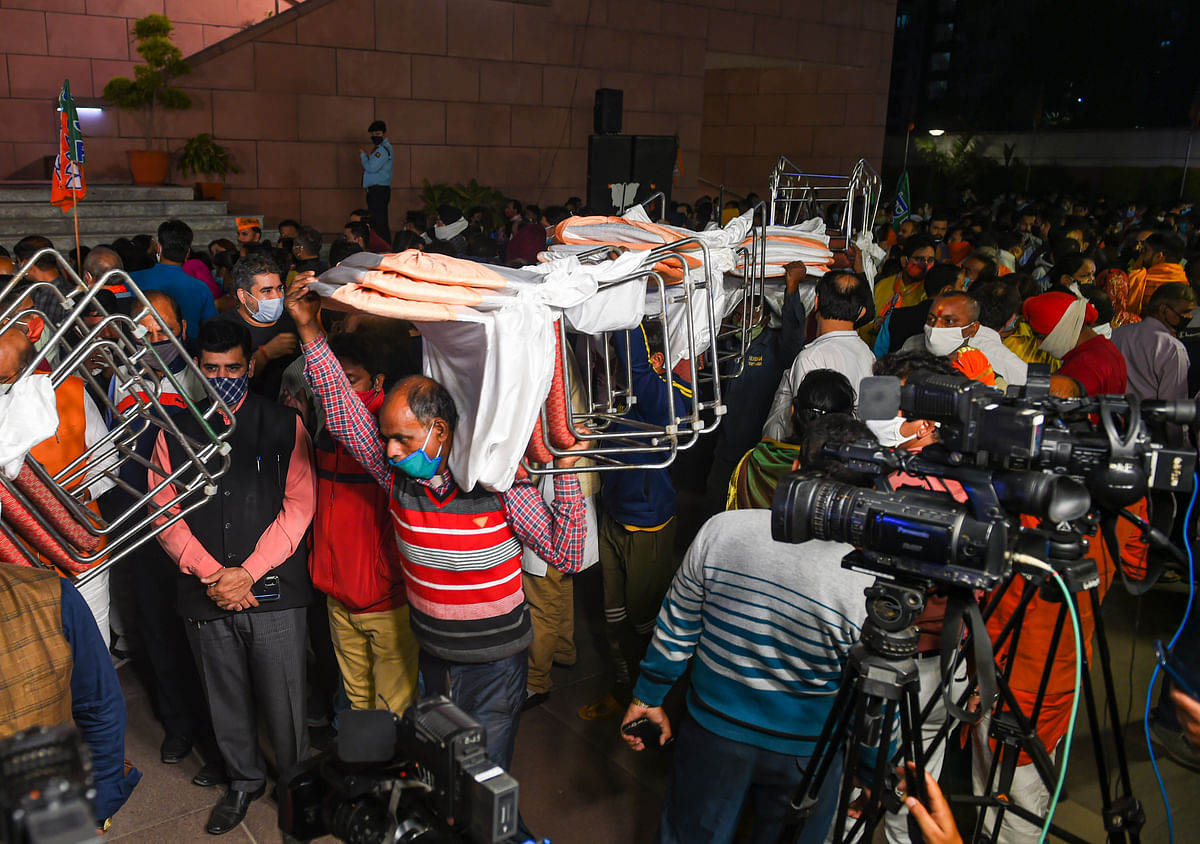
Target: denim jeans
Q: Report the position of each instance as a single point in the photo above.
(490, 692)
(1184, 658)
(712, 777)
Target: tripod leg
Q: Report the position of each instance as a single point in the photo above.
(872, 810)
(1129, 807)
(825, 753)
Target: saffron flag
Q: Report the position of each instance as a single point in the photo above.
(903, 204)
(69, 185)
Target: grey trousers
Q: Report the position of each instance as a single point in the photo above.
(251, 664)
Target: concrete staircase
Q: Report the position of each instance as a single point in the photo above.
(109, 212)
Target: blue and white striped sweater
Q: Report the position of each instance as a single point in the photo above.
(766, 627)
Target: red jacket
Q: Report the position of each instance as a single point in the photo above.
(354, 556)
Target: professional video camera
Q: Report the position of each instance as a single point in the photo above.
(1028, 428)
(46, 788)
(423, 778)
(1073, 464)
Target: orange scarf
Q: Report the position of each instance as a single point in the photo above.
(1143, 282)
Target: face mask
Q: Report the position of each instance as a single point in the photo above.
(369, 398)
(34, 326)
(1104, 331)
(419, 464)
(267, 310)
(1011, 325)
(915, 269)
(943, 340)
(231, 390)
(376, 141)
(450, 230)
(887, 431)
(169, 352)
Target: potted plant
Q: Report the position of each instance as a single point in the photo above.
(148, 91)
(201, 155)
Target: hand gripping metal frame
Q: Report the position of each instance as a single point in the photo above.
(603, 419)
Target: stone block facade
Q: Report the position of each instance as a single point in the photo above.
(499, 90)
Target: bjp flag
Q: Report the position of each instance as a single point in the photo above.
(69, 185)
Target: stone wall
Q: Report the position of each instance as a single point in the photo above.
(88, 41)
(502, 90)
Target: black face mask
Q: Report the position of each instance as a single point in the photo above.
(377, 139)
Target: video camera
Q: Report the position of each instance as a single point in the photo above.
(46, 788)
(425, 777)
(1028, 428)
(1025, 452)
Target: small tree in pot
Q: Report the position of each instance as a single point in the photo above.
(201, 155)
(148, 91)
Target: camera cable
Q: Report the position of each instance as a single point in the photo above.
(1069, 601)
(1162, 789)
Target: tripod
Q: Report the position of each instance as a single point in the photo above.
(879, 685)
(1014, 732)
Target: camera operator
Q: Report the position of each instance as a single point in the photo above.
(914, 435)
(764, 676)
(1038, 638)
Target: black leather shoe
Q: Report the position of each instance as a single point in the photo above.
(534, 700)
(211, 774)
(175, 749)
(231, 810)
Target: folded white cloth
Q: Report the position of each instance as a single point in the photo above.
(28, 415)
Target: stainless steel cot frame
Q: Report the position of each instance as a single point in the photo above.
(603, 420)
(83, 342)
(797, 196)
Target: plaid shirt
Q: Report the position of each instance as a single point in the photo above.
(554, 532)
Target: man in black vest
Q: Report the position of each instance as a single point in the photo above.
(243, 574)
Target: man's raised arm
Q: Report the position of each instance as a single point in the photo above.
(347, 419)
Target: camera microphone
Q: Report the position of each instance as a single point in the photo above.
(1179, 411)
(879, 397)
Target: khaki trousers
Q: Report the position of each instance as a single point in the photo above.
(377, 653)
(551, 602)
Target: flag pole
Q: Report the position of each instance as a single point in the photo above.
(75, 210)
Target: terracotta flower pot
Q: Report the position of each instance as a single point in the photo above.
(210, 190)
(149, 166)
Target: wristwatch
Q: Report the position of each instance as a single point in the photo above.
(642, 704)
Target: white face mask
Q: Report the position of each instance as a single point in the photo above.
(942, 340)
(887, 431)
(1104, 330)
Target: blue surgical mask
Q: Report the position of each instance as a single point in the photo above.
(231, 390)
(268, 310)
(419, 464)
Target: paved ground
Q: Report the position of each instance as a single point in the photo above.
(580, 784)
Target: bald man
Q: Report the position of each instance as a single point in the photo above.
(16, 352)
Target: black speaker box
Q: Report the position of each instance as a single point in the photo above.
(609, 107)
(654, 168)
(610, 160)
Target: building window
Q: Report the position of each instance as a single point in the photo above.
(943, 32)
(939, 61)
(947, 5)
(936, 89)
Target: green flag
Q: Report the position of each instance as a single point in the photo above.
(903, 202)
(66, 104)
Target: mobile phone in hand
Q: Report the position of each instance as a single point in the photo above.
(646, 730)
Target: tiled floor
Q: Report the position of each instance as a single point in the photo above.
(581, 785)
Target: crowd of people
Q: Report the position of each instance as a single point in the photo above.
(354, 570)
